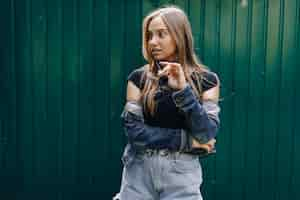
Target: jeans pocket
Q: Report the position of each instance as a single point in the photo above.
(130, 158)
(188, 164)
(186, 172)
(127, 158)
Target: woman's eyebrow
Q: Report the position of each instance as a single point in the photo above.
(159, 29)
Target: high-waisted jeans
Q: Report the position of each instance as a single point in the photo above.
(160, 175)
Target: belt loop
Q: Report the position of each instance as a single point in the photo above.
(148, 152)
(177, 154)
(164, 152)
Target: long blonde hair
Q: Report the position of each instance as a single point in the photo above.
(179, 28)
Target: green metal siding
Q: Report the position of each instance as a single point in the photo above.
(63, 74)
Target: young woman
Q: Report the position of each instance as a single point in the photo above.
(171, 114)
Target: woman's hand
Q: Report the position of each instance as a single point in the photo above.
(209, 146)
(175, 74)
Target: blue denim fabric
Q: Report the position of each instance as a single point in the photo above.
(199, 124)
(142, 136)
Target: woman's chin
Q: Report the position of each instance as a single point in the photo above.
(158, 57)
(161, 57)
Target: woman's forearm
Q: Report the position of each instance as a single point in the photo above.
(202, 125)
(142, 136)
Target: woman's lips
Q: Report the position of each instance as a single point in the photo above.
(156, 51)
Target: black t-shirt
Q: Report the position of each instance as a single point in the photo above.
(167, 115)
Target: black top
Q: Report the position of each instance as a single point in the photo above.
(167, 114)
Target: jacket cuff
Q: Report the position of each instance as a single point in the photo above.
(183, 98)
(134, 108)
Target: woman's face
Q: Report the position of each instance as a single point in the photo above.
(161, 45)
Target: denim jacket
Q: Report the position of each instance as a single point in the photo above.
(201, 119)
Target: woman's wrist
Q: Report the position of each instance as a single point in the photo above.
(182, 86)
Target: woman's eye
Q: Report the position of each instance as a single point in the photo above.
(162, 34)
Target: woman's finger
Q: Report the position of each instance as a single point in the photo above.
(169, 67)
(212, 141)
(164, 63)
(173, 67)
(164, 71)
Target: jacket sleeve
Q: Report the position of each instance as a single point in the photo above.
(141, 135)
(201, 119)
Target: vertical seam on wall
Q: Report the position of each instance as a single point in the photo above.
(292, 153)
(77, 35)
(141, 25)
(218, 28)
(202, 51)
(29, 10)
(265, 81)
(13, 57)
(280, 38)
(124, 53)
(61, 100)
(248, 46)
(92, 16)
(233, 34)
(188, 8)
(291, 187)
(124, 61)
(46, 60)
(124, 35)
(266, 19)
(218, 34)
(108, 73)
(1, 131)
(62, 46)
(93, 112)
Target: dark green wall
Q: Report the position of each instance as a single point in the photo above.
(63, 69)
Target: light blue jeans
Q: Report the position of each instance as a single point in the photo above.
(160, 175)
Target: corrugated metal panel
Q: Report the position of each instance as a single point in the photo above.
(63, 78)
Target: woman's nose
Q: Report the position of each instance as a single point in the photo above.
(153, 41)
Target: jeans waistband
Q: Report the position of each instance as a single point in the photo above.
(161, 152)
